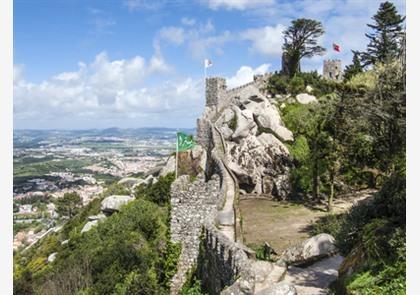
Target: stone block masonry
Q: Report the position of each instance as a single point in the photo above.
(193, 204)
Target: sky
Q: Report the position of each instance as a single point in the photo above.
(81, 64)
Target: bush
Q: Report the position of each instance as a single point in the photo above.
(278, 84)
(159, 192)
(296, 85)
(234, 122)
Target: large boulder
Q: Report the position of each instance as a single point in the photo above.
(114, 203)
(89, 225)
(261, 164)
(310, 250)
(281, 288)
(267, 117)
(52, 257)
(305, 98)
(169, 166)
(245, 125)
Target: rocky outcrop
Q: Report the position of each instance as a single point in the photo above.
(114, 203)
(192, 162)
(261, 164)
(310, 250)
(255, 136)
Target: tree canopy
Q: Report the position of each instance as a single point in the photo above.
(301, 40)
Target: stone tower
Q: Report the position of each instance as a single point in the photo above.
(215, 90)
(332, 70)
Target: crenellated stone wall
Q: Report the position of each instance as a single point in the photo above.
(204, 218)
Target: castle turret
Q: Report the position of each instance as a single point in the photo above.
(332, 70)
(215, 90)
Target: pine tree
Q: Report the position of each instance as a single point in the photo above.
(301, 40)
(355, 68)
(386, 37)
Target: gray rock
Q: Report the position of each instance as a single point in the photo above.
(169, 166)
(88, 226)
(114, 203)
(52, 257)
(245, 125)
(279, 289)
(129, 181)
(96, 217)
(305, 98)
(310, 250)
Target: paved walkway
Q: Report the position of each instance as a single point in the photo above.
(314, 279)
(226, 216)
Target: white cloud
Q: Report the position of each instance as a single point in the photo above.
(186, 21)
(246, 74)
(237, 4)
(104, 90)
(134, 5)
(175, 35)
(201, 40)
(266, 40)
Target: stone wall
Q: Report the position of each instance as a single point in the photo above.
(222, 262)
(201, 211)
(193, 204)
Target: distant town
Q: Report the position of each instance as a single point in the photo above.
(49, 164)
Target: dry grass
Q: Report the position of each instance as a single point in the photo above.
(283, 224)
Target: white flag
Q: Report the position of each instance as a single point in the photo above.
(207, 63)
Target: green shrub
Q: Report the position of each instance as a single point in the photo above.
(159, 192)
(296, 85)
(233, 123)
(278, 84)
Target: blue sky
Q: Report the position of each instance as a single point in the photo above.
(136, 63)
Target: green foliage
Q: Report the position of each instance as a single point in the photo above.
(195, 289)
(233, 123)
(170, 261)
(159, 192)
(127, 253)
(354, 68)
(300, 41)
(296, 85)
(278, 84)
(69, 204)
(366, 80)
(386, 37)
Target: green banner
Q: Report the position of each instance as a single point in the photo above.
(184, 142)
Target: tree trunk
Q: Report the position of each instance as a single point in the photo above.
(315, 181)
(331, 196)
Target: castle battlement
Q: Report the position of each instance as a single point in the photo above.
(332, 69)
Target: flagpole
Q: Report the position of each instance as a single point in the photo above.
(176, 157)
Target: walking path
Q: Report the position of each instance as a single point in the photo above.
(226, 216)
(314, 279)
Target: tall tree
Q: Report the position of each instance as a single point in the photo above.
(387, 35)
(301, 40)
(69, 204)
(354, 68)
